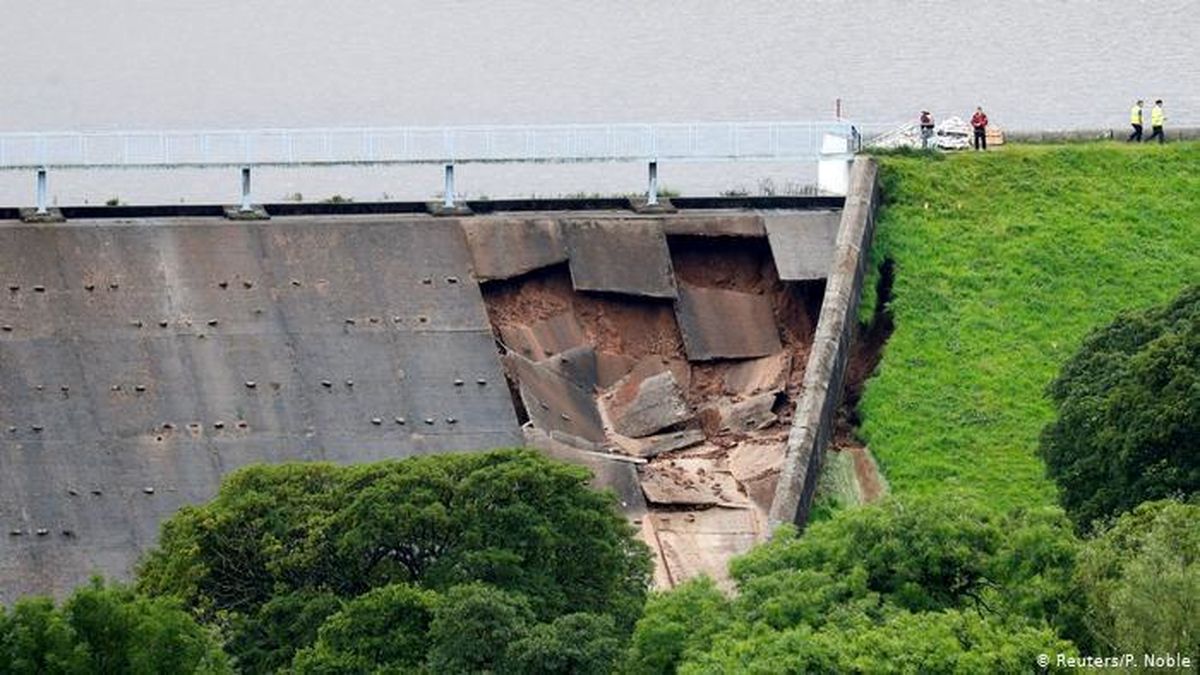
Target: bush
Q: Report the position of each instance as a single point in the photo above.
(1128, 426)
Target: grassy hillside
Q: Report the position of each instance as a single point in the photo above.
(1003, 262)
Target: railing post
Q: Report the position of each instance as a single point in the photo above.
(652, 191)
(41, 192)
(245, 207)
(448, 197)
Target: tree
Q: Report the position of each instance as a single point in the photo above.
(1141, 578)
(282, 549)
(106, 629)
(472, 628)
(580, 644)
(1128, 425)
(940, 585)
(384, 628)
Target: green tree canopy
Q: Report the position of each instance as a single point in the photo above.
(932, 585)
(286, 556)
(1128, 426)
(1141, 579)
(105, 629)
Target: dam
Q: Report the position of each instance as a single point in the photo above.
(145, 352)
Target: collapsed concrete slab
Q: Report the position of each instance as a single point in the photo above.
(553, 402)
(720, 324)
(727, 416)
(578, 366)
(653, 446)
(768, 373)
(639, 407)
(507, 248)
(607, 474)
(756, 465)
(624, 256)
(802, 243)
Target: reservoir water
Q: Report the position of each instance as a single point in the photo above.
(184, 64)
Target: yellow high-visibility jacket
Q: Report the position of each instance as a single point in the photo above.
(1135, 115)
(1157, 117)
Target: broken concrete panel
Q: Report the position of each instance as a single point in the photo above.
(753, 459)
(544, 338)
(702, 542)
(502, 248)
(628, 256)
(720, 324)
(752, 414)
(619, 476)
(802, 243)
(553, 402)
(578, 365)
(768, 373)
(640, 408)
(653, 446)
(756, 466)
(695, 481)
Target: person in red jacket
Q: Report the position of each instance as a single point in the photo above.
(979, 123)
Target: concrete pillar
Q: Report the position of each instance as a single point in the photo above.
(652, 189)
(448, 197)
(41, 192)
(833, 169)
(245, 206)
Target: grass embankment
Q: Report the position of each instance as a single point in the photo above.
(1003, 262)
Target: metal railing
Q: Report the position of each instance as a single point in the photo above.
(732, 141)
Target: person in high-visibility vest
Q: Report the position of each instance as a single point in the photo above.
(1157, 117)
(1135, 119)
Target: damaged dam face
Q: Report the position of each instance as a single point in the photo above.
(142, 360)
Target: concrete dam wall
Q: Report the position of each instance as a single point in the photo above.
(142, 359)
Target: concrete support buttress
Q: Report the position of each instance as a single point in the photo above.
(245, 206)
(652, 190)
(448, 197)
(41, 192)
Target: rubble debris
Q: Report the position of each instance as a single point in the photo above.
(767, 373)
(752, 414)
(695, 481)
(718, 323)
(641, 406)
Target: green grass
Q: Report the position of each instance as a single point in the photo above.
(1004, 261)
